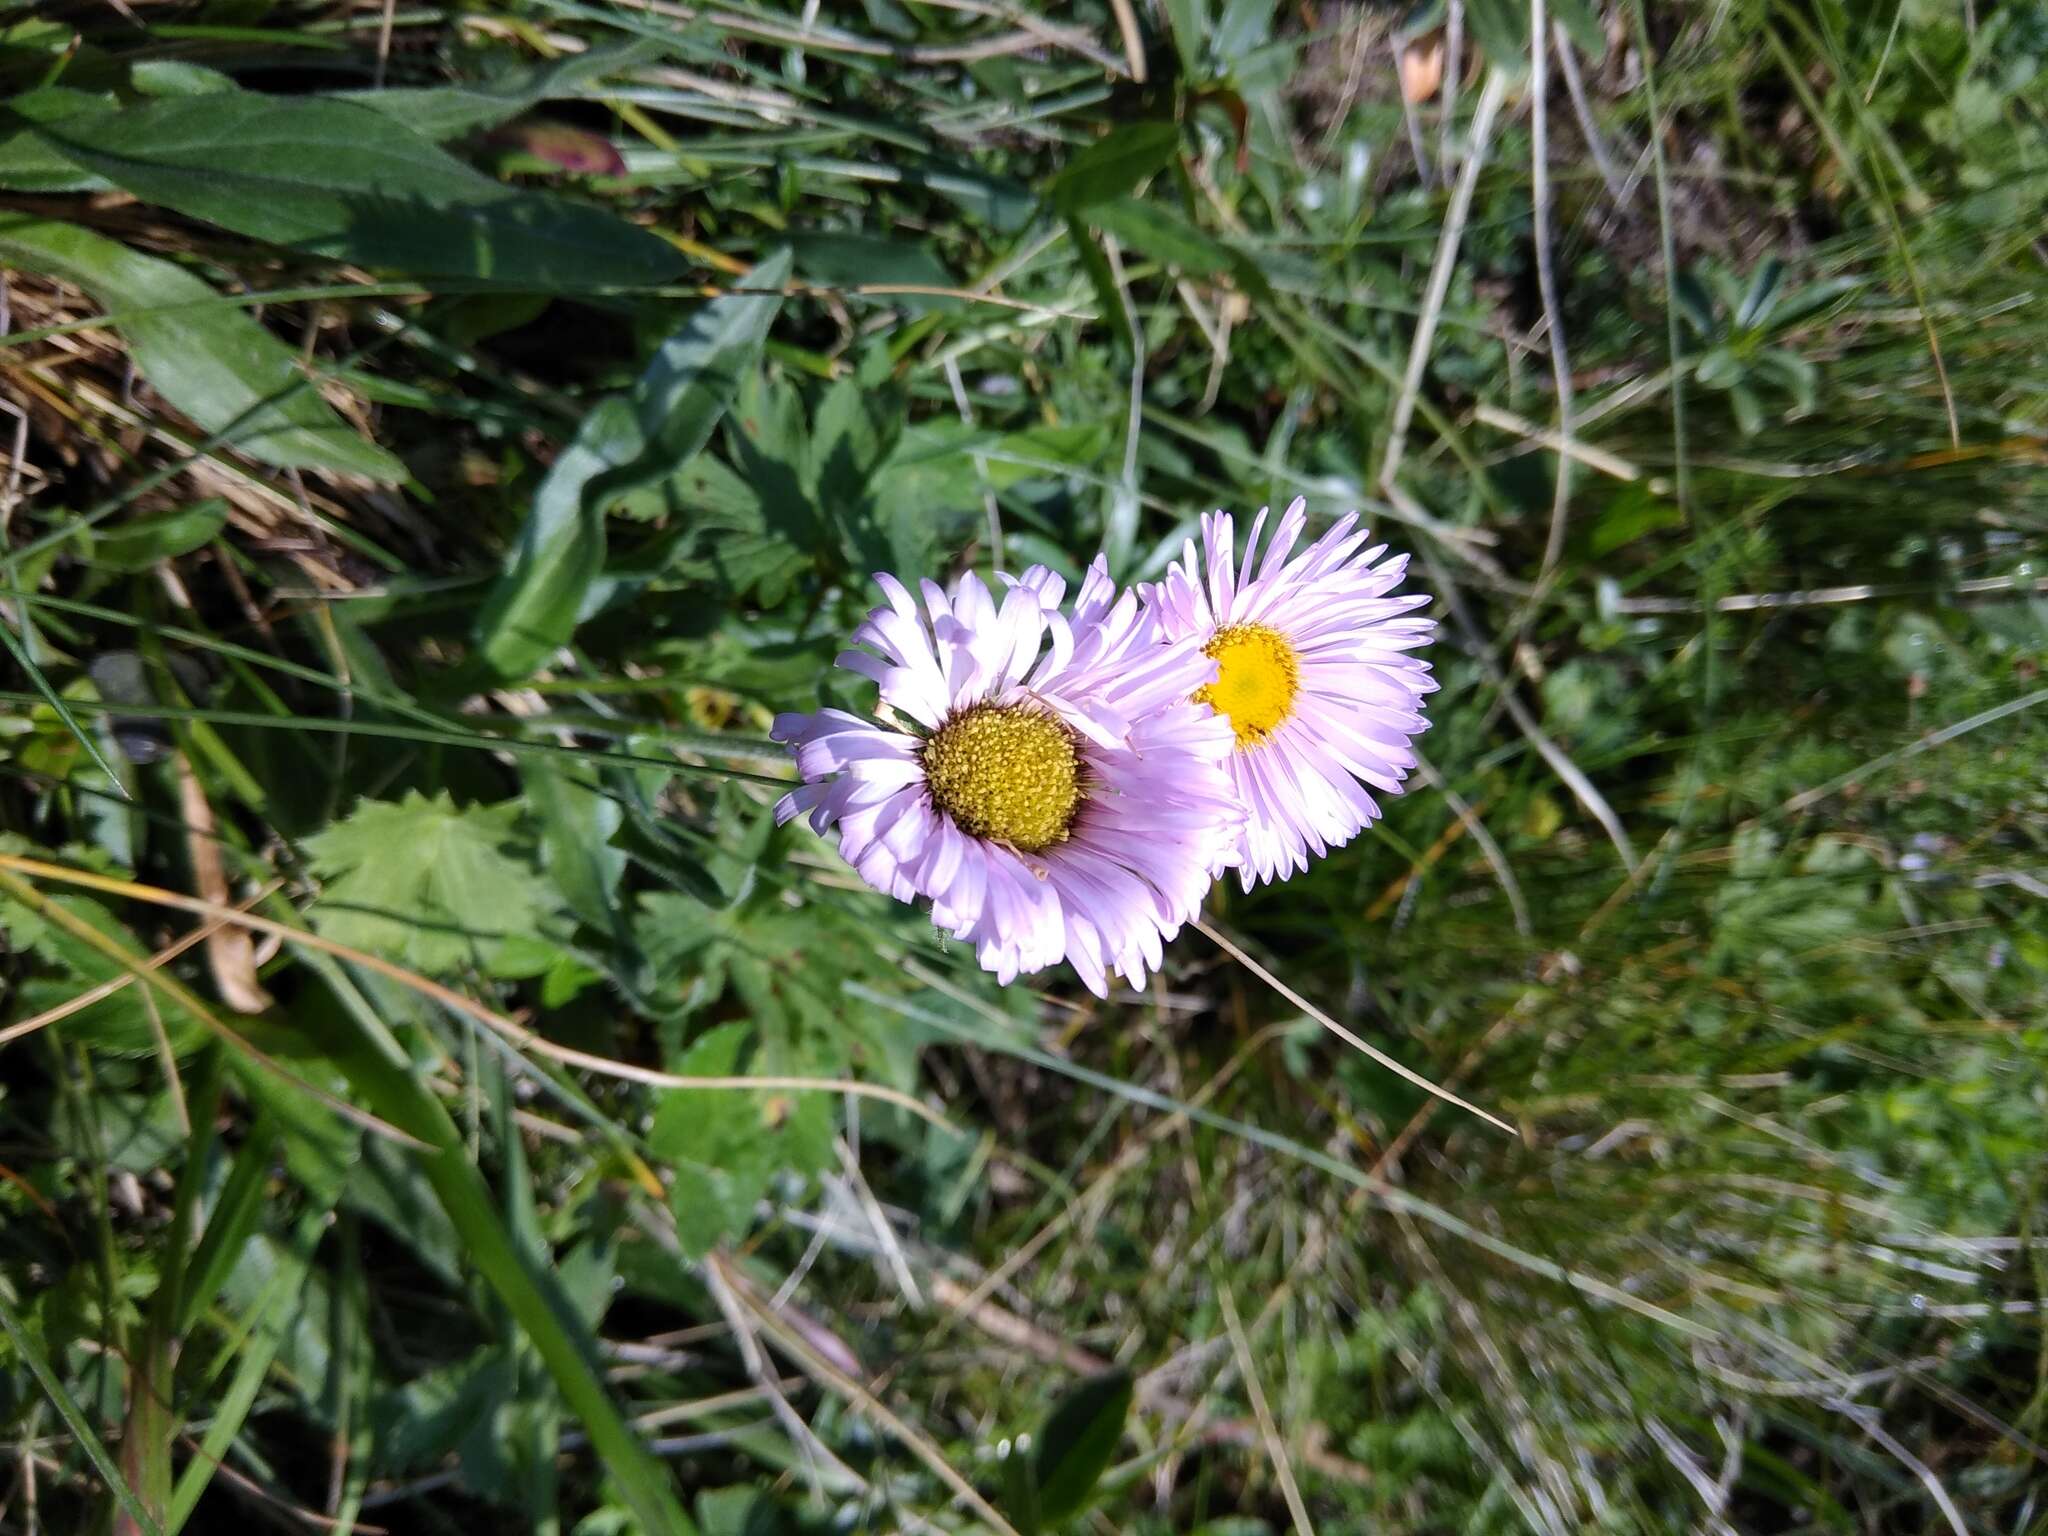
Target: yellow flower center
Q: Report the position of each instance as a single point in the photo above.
(1007, 773)
(1257, 678)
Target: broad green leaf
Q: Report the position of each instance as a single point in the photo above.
(1813, 298)
(934, 465)
(626, 441)
(1797, 376)
(427, 883)
(339, 180)
(1116, 163)
(1078, 1442)
(28, 163)
(203, 354)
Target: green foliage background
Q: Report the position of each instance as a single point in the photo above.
(439, 439)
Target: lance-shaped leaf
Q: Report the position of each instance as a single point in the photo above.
(201, 352)
(337, 179)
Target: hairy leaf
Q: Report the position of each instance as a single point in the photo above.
(428, 883)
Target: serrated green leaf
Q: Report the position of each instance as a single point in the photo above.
(204, 355)
(425, 882)
(627, 441)
(119, 1023)
(1079, 1440)
(339, 180)
(723, 1148)
(577, 821)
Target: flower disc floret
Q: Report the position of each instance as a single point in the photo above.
(1009, 773)
(1257, 677)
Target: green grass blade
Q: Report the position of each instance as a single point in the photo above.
(56, 702)
(75, 1419)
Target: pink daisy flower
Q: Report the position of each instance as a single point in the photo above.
(1044, 780)
(1314, 677)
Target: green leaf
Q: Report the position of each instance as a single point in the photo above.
(339, 180)
(1501, 28)
(1096, 265)
(1581, 22)
(627, 441)
(120, 1023)
(1756, 305)
(723, 1150)
(846, 260)
(139, 545)
(1793, 373)
(1813, 298)
(1634, 512)
(1116, 163)
(74, 1418)
(1079, 1440)
(446, 111)
(1719, 369)
(175, 77)
(1168, 237)
(577, 823)
(426, 883)
(28, 163)
(379, 1069)
(1749, 411)
(203, 354)
(1695, 303)
(1246, 25)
